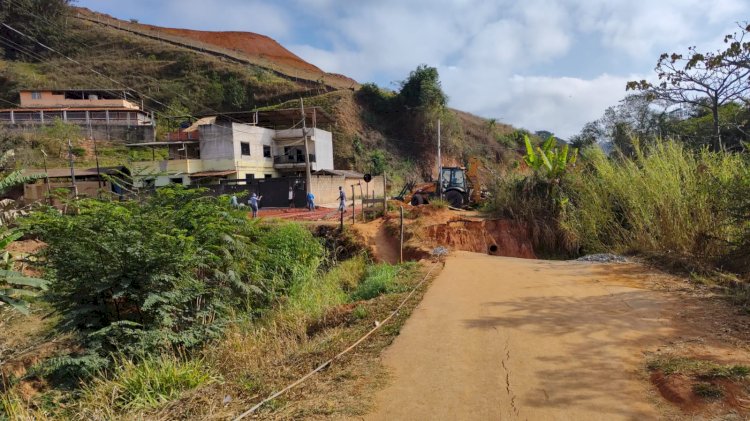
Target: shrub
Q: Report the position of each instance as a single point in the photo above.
(164, 274)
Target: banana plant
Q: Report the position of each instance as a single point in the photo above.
(549, 159)
(14, 286)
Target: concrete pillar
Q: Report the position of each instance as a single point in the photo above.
(41, 116)
(87, 117)
(106, 114)
(12, 117)
(65, 115)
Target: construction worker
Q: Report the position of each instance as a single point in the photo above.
(342, 200)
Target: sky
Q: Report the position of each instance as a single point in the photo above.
(535, 64)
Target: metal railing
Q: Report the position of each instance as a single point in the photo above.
(292, 159)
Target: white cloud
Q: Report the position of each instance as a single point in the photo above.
(522, 62)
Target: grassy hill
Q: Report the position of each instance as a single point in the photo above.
(185, 80)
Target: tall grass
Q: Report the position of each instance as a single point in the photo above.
(690, 207)
(144, 384)
(668, 201)
(15, 408)
(380, 279)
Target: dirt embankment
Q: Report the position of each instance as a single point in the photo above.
(427, 227)
(494, 237)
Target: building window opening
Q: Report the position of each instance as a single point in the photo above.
(177, 180)
(244, 148)
(266, 151)
(36, 95)
(267, 176)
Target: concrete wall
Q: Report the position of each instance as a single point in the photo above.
(50, 100)
(256, 163)
(37, 192)
(323, 151)
(216, 142)
(111, 132)
(326, 188)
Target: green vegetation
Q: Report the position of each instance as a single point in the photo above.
(379, 279)
(708, 390)
(161, 275)
(669, 364)
(178, 292)
(551, 161)
(146, 384)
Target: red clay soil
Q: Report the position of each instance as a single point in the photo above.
(495, 237)
(250, 43)
(253, 46)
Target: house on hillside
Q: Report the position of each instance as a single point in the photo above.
(112, 115)
(238, 148)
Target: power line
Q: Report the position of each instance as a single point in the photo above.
(113, 80)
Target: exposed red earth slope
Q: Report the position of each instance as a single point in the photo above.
(256, 48)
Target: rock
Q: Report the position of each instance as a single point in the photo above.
(603, 258)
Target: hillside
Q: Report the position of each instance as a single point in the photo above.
(187, 72)
(244, 46)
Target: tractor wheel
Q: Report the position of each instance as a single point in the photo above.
(455, 198)
(417, 200)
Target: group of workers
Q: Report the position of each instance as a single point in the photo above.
(254, 201)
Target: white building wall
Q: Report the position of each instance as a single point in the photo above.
(256, 163)
(323, 150)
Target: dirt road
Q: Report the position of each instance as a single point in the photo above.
(503, 338)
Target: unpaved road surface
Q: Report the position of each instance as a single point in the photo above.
(500, 338)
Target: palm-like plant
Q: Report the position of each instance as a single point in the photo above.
(548, 158)
(14, 286)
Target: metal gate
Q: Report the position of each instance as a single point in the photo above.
(275, 191)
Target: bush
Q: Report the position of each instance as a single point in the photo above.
(162, 275)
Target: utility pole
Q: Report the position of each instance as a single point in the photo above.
(439, 166)
(96, 156)
(308, 175)
(46, 177)
(72, 170)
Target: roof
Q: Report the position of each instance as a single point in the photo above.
(288, 116)
(213, 173)
(200, 122)
(345, 173)
(79, 172)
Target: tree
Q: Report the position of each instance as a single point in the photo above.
(55, 137)
(700, 80)
(43, 20)
(422, 89)
(633, 117)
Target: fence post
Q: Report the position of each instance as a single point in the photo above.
(401, 243)
(354, 207)
(385, 196)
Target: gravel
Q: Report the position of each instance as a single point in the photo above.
(603, 258)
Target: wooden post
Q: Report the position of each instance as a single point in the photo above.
(385, 196)
(401, 243)
(354, 208)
